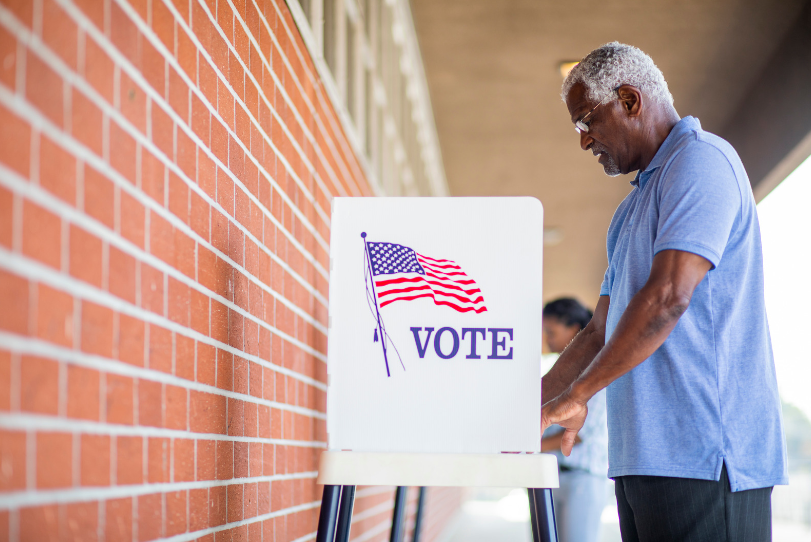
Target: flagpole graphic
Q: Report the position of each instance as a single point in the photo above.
(377, 309)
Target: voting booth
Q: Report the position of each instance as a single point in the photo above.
(434, 349)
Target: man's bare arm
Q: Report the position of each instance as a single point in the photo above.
(647, 321)
(578, 355)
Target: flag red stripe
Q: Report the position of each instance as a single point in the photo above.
(436, 302)
(434, 259)
(387, 293)
(443, 284)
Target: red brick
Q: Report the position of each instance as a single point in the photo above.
(120, 405)
(150, 517)
(163, 131)
(242, 459)
(150, 396)
(83, 393)
(200, 119)
(125, 35)
(43, 88)
(206, 364)
(225, 370)
(57, 170)
(175, 407)
(130, 344)
(151, 289)
(160, 349)
(225, 460)
(81, 521)
(179, 295)
(250, 500)
(206, 175)
(8, 52)
(99, 68)
(59, 32)
(236, 417)
(207, 412)
(199, 312)
(184, 357)
(6, 217)
(153, 175)
(6, 384)
(41, 235)
(129, 460)
(132, 217)
(178, 95)
(39, 389)
(186, 154)
(99, 195)
(54, 460)
(161, 238)
(176, 512)
(121, 274)
(206, 460)
(154, 67)
(97, 329)
(95, 460)
(122, 152)
(178, 197)
(15, 142)
(14, 293)
(12, 458)
(198, 509)
(183, 457)
(118, 519)
(217, 506)
(40, 523)
(158, 460)
(133, 102)
(85, 256)
(235, 502)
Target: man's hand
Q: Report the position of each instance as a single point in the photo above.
(567, 412)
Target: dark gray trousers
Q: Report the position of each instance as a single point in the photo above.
(664, 509)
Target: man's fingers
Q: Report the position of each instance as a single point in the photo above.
(567, 442)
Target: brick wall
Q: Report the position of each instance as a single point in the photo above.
(166, 170)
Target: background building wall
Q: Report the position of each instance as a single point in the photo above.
(166, 171)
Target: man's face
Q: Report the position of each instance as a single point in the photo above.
(604, 137)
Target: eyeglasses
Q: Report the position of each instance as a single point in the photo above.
(580, 126)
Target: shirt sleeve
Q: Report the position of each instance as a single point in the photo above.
(699, 202)
(605, 287)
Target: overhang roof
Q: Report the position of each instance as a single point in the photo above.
(493, 74)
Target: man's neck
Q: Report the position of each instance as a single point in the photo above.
(657, 132)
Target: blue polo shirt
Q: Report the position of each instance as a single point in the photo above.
(708, 395)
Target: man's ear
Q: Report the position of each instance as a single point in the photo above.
(631, 99)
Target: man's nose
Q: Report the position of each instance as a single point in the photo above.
(585, 141)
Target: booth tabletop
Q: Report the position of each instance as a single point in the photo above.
(448, 470)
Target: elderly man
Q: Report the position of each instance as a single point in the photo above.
(679, 336)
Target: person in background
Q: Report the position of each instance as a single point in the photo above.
(580, 500)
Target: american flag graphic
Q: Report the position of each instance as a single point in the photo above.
(401, 274)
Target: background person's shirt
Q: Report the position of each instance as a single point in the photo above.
(708, 395)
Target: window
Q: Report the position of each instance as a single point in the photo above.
(362, 47)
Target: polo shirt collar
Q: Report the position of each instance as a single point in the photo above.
(683, 127)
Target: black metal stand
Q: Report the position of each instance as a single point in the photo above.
(415, 537)
(335, 519)
(398, 517)
(542, 515)
(345, 513)
(329, 514)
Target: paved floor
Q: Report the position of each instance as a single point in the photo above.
(502, 515)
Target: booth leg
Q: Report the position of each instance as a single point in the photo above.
(328, 515)
(345, 513)
(418, 517)
(398, 517)
(542, 515)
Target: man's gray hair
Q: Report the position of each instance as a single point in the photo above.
(615, 64)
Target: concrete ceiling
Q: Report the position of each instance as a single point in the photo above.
(493, 76)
